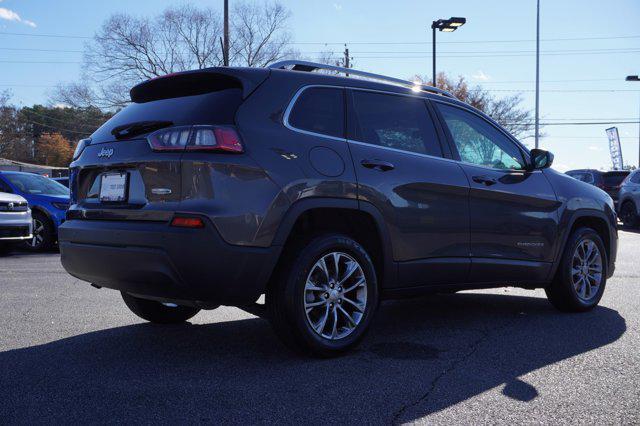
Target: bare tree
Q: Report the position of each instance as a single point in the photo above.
(127, 50)
(258, 34)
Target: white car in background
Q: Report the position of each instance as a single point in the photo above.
(15, 220)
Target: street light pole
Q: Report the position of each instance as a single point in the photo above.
(433, 55)
(225, 53)
(636, 78)
(448, 26)
(537, 134)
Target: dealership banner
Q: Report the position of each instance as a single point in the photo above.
(614, 148)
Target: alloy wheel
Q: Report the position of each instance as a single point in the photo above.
(38, 234)
(586, 269)
(335, 296)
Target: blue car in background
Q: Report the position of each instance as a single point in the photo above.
(48, 201)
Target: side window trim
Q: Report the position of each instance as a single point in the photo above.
(294, 99)
(353, 126)
(454, 148)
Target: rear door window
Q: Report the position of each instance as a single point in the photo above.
(394, 121)
(319, 110)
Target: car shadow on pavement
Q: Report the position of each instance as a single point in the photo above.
(421, 357)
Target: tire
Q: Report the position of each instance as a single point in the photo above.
(311, 330)
(567, 293)
(628, 214)
(43, 233)
(158, 313)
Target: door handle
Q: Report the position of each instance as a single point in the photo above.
(380, 165)
(488, 181)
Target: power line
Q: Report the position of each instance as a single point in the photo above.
(57, 128)
(73, 36)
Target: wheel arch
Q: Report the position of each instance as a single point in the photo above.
(597, 221)
(361, 220)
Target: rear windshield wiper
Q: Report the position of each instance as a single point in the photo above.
(137, 128)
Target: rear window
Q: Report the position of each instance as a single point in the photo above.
(614, 179)
(319, 110)
(210, 108)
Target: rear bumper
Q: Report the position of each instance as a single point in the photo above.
(157, 261)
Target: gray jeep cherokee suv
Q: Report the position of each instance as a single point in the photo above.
(325, 194)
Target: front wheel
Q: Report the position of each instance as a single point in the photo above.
(159, 313)
(582, 274)
(323, 297)
(43, 233)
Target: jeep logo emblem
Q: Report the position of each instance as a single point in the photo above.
(105, 153)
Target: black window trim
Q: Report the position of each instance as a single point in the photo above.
(523, 150)
(292, 103)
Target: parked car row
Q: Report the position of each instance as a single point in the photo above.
(622, 185)
(46, 203)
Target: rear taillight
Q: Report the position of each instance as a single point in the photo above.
(196, 138)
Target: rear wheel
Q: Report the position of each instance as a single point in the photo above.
(43, 233)
(323, 297)
(159, 313)
(628, 214)
(582, 274)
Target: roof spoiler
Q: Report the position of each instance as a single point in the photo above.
(198, 82)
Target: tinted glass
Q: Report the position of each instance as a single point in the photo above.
(613, 179)
(211, 108)
(36, 184)
(4, 187)
(399, 122)
(479, 142)
(319, 110)
(635, 178)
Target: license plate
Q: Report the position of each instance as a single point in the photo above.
(113, 187)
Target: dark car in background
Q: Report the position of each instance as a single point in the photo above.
(325, 194)
(630, 200)
(607, 181)
(48, 201)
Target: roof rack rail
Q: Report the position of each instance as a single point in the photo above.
(312, 66)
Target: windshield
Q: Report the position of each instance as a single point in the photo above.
(36, 184)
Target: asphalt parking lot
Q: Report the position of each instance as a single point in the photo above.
(70, 353)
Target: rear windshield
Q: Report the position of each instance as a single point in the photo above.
(210, 108)
(614, 179)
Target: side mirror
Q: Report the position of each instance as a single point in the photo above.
(541, 159)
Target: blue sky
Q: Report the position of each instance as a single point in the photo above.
(576, 85)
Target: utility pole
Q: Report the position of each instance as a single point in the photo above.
(225, 53)
(433, 54)
(538, 75)
(346, 57)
